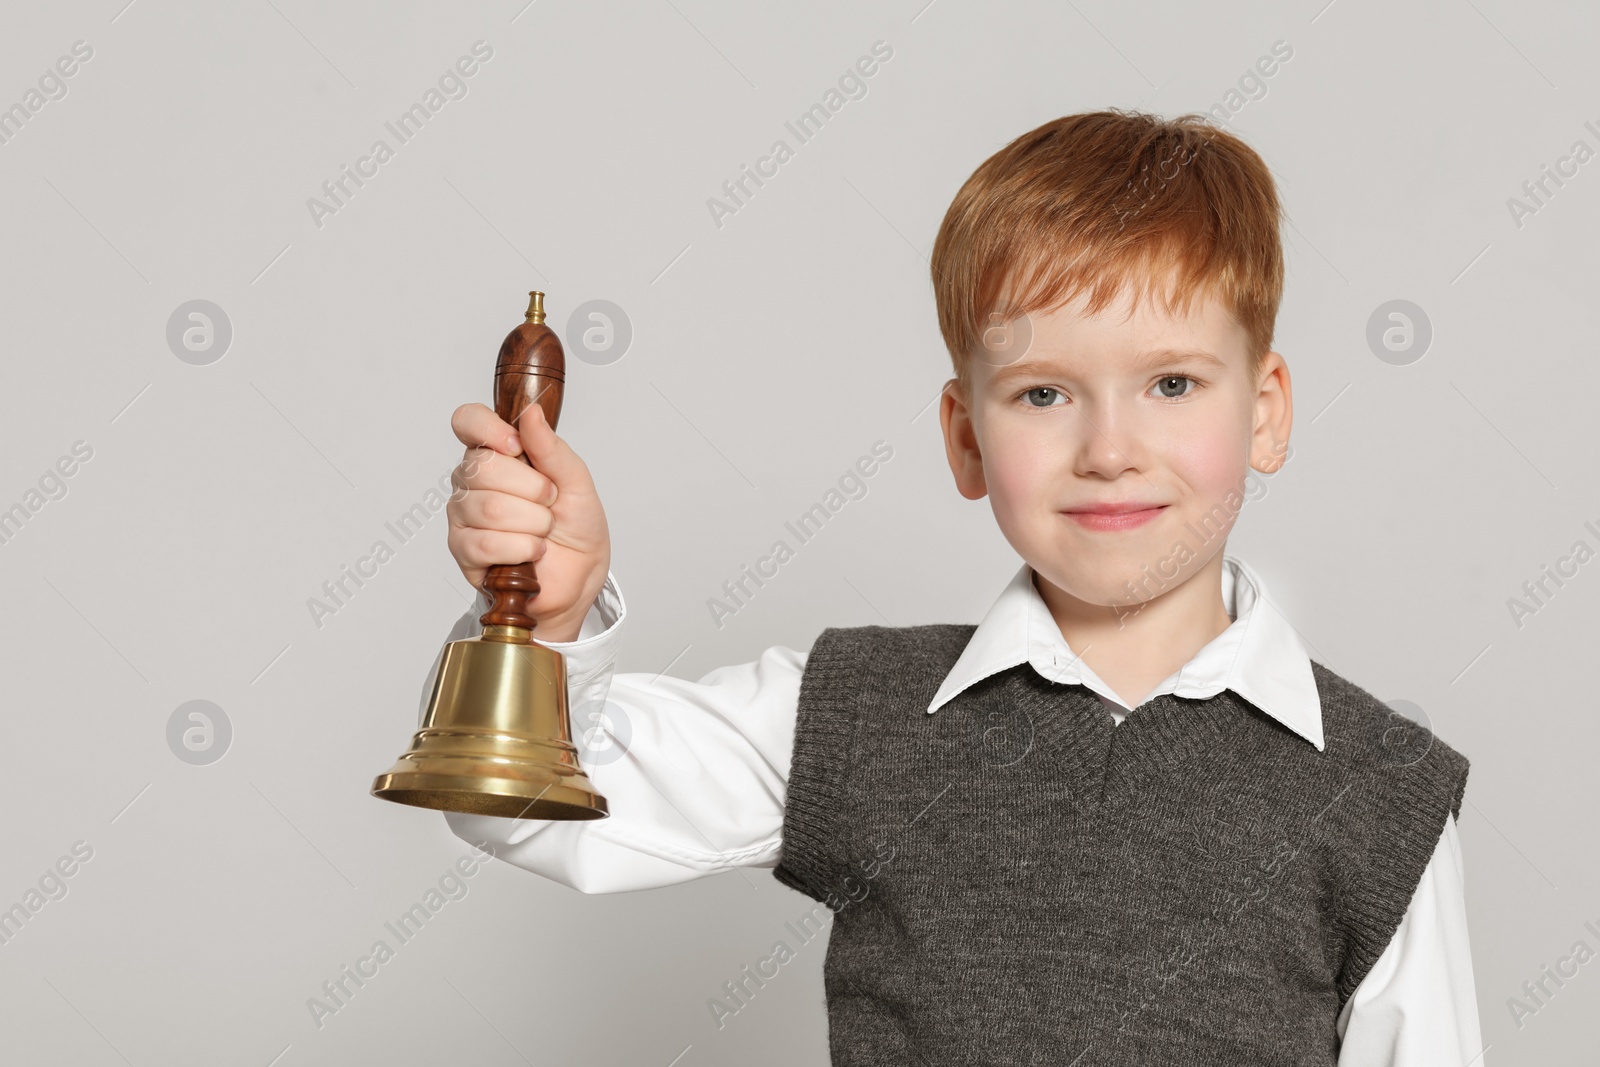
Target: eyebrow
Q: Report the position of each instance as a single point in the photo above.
(1144, 361)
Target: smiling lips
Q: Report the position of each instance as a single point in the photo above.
(1124, 515)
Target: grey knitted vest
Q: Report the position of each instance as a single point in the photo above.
(1016, 880)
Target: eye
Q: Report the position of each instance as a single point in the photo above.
(1164, 383)
(1042, 397)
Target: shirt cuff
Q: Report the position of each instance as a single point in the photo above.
(591, 656)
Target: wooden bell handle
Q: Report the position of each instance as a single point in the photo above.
(532, 369)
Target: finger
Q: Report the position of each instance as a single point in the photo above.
(473, 547)
(490, 471)
(504, 512)
(548, 452)
(477, 425)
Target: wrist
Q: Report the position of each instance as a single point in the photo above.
(565, 626)
(558, 630)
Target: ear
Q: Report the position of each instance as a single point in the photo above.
(961, 441)
(1274, 416)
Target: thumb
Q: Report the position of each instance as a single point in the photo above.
(548, 453)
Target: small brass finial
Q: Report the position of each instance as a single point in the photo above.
(535, 307)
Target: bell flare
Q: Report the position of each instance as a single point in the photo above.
(496, 738)
(468, 798)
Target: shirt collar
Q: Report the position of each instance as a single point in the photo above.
(1259, 656)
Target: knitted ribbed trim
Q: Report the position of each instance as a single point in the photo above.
(828, 699)
(1372, 892)
(1108, 761)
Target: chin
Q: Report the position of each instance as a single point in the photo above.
(1105, 587)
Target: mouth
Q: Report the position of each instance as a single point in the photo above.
(1115, 516)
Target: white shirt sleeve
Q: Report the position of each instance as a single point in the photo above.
(694, 773)
(1418, 1005)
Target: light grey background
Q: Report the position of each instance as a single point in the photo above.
(768, 354)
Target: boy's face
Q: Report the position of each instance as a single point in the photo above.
(1084, 411)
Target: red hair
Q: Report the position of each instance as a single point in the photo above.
(1103, 201)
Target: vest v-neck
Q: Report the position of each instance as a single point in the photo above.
(1106, 764)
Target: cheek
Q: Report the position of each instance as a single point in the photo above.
(1212, 462)
(1017, 474)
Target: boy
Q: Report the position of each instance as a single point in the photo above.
(1125, 819)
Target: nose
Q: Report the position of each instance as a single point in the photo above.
(1106, 442)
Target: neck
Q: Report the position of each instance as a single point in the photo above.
(1134, 649)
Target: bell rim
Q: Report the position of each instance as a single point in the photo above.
(474, 794)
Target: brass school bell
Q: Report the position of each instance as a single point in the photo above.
(496, 739)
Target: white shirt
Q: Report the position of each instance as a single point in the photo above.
(695, 776)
